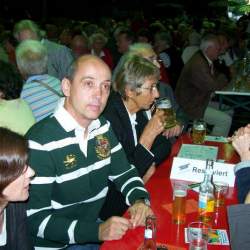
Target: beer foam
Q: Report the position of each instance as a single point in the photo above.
(200, 127)
(180, 193)
(164, 104)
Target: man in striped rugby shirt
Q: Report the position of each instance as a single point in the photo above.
(74, 153)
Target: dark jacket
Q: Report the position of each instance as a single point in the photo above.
(195, 86)
(239, 225)
(140, 157)
(17, 232)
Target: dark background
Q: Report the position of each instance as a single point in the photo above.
(45, 10)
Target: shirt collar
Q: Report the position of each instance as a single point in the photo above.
(100, 55)
(132, 117)
(68, 122)
(208, 60)
(37, 77)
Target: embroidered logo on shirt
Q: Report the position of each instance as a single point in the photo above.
(70, 161)
(102, 147)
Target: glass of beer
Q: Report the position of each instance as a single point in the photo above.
(220, 192)
(198, 131)
(179, 203)
(165, 105)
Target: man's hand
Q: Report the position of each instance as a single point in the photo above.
(138, 212)
(114, 228)
(241, 144)
(154, 127)
(171, 132)
(240, 131)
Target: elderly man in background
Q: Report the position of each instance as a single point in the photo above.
(197, 82)
(59, 56)
(41, 91)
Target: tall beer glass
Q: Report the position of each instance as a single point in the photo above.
(198, 131)
(179, 202)
(165, 105)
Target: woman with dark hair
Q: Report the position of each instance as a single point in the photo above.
(15, 177)
(15, 113)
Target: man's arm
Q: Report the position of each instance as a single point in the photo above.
(45, 219)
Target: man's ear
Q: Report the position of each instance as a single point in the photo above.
(66, 86)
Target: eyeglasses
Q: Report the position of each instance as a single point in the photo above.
(154, 59)
(153, 87)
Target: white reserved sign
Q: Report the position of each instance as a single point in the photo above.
(191, 170)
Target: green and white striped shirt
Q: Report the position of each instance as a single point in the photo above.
(71, 180)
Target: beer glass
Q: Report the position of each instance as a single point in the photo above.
(165, 105)
(198, 131)
(228, 151)
(221, 189)
(179, 203)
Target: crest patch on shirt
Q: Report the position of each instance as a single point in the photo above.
(70, 161)
(102, 147)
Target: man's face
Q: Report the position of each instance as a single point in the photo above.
(87, 94)
(148, 92)
(122, 43)
(26, 34)
(214, 51)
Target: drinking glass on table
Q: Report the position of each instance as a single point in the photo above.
(165, 105)
(198, 131)
(220, 192)
(179, 202)
(198, 233)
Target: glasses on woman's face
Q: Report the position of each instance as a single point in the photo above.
(153, 87)
(153, 59)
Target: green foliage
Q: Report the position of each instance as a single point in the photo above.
(239, 7)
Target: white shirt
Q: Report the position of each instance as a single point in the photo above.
(3, 234)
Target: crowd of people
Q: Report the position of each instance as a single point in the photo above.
(82, 99)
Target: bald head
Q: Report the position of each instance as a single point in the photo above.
(85, 60)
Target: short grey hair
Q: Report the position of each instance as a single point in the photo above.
(207, 41)
(26, 25)
(139, 48)
(132, 72)
(32, 58)
(98, 36)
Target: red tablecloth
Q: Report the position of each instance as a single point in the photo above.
(160, 189)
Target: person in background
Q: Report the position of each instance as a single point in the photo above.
(15, 177)
(80, 45)
(59, 56)
(225, 62)
(97, 42)
(194, 41)
(135, 90)
(124, 38)
(15, 113)
(169, 54)
(75, 153)
(198, 81)
(40, 90)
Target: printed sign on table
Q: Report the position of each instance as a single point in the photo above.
(191, 170)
